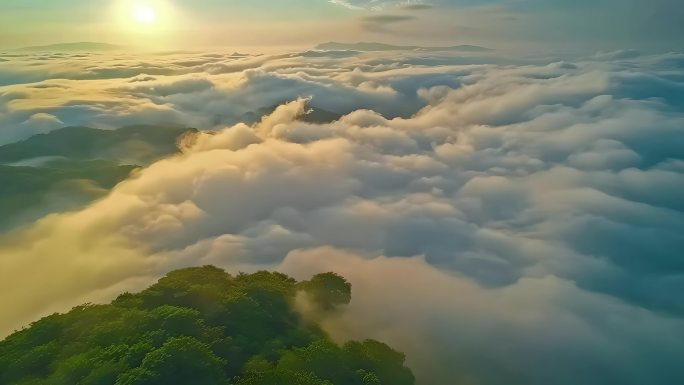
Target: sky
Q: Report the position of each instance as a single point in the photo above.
(505, 216)
(574, 25)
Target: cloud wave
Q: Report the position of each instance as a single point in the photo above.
(521, 223)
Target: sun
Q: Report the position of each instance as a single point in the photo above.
(144, 14)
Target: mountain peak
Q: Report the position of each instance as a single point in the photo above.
(375, 46)
(84, 46)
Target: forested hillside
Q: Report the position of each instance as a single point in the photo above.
(201, 326)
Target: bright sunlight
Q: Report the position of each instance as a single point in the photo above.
(144, 23)
(144, 14)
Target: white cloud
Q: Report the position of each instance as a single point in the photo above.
(372, 4)
(541, 330)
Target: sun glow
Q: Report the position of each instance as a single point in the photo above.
(144, 14)
(146, 24)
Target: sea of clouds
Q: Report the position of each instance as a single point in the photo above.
(502, 220)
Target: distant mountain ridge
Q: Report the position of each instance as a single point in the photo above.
(373, 46)
(133, 144)
(84, 46)
(71, 167)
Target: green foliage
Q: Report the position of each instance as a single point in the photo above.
(200, 326)
(181, 360)
(328, 290)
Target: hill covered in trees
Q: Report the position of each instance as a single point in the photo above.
(201, 326)
(70, 167)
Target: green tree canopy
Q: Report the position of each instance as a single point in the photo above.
(328, 290)
(200, 326)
